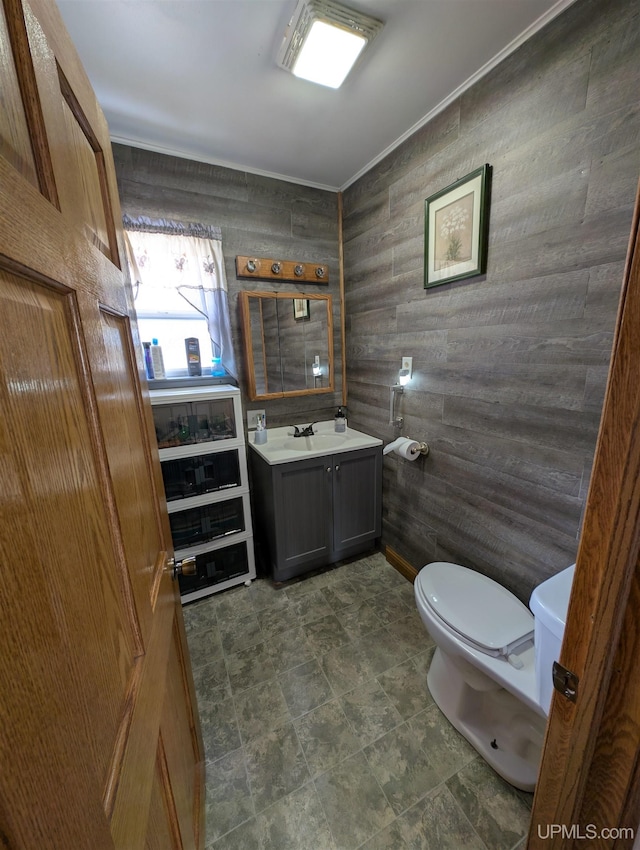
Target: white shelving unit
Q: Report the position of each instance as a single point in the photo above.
(202, 450)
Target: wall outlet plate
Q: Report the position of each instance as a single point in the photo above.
(407, 363)
(252, 416)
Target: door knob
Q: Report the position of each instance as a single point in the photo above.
(185, 567)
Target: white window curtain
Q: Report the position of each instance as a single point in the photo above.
(174, 265)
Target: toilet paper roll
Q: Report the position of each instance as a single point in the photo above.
(403, 447)
(391, 447)
(409, 450)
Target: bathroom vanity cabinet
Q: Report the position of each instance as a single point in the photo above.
(203, 458)
(316, 510)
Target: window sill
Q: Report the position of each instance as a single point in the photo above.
(191, 381)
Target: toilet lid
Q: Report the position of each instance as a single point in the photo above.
(478, 608)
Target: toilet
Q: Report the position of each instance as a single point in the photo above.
(491, 673)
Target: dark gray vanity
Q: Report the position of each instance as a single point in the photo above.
(316, 500)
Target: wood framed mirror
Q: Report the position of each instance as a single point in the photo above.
(288, 343)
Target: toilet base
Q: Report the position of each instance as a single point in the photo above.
(507, 734)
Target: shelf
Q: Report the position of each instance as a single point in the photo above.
(196, 414)
(178, 505)
(192, 394)
(215, 545)
(238, 567)
(202, 448)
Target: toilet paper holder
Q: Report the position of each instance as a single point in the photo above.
(422, 448)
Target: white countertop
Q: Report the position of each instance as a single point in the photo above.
(283, 447)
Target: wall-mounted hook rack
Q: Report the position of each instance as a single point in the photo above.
(292, 271)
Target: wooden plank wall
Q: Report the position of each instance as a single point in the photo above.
(259, 216)
(510, 367)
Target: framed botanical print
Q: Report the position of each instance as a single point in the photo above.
(456, 228)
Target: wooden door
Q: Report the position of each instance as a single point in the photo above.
(588, 792)
(99, 737)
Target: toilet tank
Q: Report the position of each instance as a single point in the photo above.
(549, 603)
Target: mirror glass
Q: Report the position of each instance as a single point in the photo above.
(288, 341)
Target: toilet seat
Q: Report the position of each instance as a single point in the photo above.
(481, 612)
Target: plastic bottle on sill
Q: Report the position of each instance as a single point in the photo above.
(192, 347)
(340, 421)
(157, 359)
(148, 363)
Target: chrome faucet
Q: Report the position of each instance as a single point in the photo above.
(305, 432)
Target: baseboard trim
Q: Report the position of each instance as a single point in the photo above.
(400, 564)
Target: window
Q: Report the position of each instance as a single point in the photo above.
(171, 333)
(180, 291)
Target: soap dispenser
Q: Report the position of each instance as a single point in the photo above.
(340, 420)
(260, 437)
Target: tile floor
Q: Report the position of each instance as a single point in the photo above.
(319, 730)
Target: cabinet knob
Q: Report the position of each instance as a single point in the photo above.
(328, 469)
(337, 467)
(185, 567)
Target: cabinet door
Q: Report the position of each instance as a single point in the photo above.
(303, 515)
(357, 479)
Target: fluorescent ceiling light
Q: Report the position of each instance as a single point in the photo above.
(328, 54)
(324, 40)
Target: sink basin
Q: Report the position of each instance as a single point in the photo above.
(283, 447)
(317, 443)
